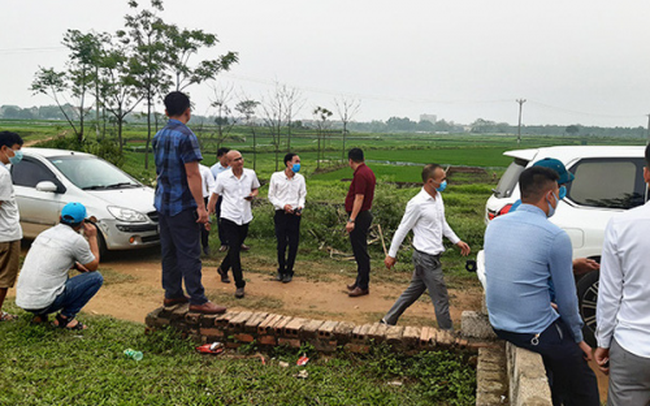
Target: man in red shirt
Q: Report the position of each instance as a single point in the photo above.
(357, 204)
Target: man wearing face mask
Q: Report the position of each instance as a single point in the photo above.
(523, 252)
(287, 193)
(10, 231)
(425, 215)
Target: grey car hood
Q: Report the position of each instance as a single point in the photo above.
(140, 199)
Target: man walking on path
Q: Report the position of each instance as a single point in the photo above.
(216, 169)
(287, 193)
(180, 206)
(238, 187)
(208, 184)
(10, 231)
(523, 253)
(623, 323)
(44, 286)
(358, 203)
(425, 215)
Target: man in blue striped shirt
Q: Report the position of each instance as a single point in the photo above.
(523, 252)
(180, 206)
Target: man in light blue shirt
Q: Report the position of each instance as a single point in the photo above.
(523, 252)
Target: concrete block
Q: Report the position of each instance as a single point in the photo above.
(254, 321)
(308, 331)
(527, 378)
(264, 327)
(427, 337)
(411, 336)
(394, 335)
(326, 330)
(290, 342)
(476, 325)
(377, 332)
(293, 328)
(445, 338)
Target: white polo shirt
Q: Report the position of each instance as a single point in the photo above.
(426, 217)
(233, 206)
(284, 190)
(10, 229)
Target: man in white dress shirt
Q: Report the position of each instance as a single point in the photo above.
(287, 193)
(208, 184)
(238, 187)
(425, 215)
(623, 309)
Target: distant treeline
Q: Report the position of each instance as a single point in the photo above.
(392, 125)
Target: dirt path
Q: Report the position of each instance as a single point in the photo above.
(133, 288)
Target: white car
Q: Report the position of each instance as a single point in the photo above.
(608, 180)
(47, 179)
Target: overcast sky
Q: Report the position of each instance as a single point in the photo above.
(580, 61)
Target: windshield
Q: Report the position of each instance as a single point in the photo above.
(510, 178)
(91, 173)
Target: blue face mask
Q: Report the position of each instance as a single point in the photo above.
(18, 156)
(295, 168)
(442, 186)
(551, 209)
(562, 192)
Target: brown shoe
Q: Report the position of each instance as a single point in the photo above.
(352, 287)
(175, 301)
(224, 275)
(358, 292)
(208, 308)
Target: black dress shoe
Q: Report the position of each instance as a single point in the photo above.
(287, 278)
(224, 275)
(278, 277)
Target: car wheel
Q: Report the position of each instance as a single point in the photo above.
(103, 250)
(587, 299)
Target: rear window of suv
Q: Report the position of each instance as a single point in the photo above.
(615, 183)
(510, 178)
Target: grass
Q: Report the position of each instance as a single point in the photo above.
(41, 365)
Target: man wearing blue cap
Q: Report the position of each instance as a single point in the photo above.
(44, 286)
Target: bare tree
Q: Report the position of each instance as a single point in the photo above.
(293, 102)
(322, 125)
(347, 109)
(222, 97)
(274, 115)
(247, 108)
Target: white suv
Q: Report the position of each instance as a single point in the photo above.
(608, 180)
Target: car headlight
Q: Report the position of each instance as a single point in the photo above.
(124, 214)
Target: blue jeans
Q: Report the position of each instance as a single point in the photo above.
(78, 291)
(571, 380)
(180, 237)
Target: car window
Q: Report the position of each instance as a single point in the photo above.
(90, 173)
(611, 183)
(510, 178)
(30, 172)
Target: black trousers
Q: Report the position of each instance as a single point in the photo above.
(205, 234)
(571, 380)
(359, 241)
(222, 235)
(236, 235)
(287, 232)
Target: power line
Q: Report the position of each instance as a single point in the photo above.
(30, 50)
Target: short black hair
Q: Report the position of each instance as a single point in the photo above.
(288, 157)
(356, 155)
(647, 156)
(428, 171)
(222, 151)
(10, 139)
(535, 181)
(176, 103)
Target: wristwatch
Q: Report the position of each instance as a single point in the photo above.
(350, 220)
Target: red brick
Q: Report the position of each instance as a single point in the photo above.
(267, 340)
(326, 331)
(411, 336)
(211, 332)
(293, 328)
(394, 335)
(309, 330)
(223, 319)
(359, 333)
(291, 342)
(358, 348)
(254, 321)
(237, 322)
(377, 332)
(193, 319)
(244, 337)
(269, 321)
(278, 328)
(325, 345)
(343, 331)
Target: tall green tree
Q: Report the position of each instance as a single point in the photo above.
(145, 33)
(322, 116)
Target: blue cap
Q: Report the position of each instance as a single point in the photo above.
(557, 166)
(73, 213)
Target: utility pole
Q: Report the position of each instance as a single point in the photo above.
(521, 105)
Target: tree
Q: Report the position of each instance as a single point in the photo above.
(572, 129)
(347, 109)
(247, 109)
(292, 104)
(117, 86)
(274, 116)
(223, 118)
(147, 64)
(49, 82)
(182, 44)
(322, 125)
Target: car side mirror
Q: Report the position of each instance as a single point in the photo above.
(47, 186)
